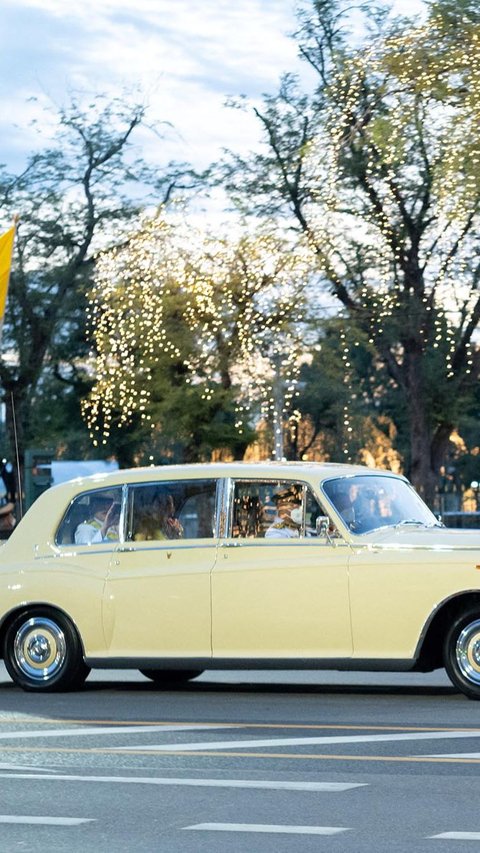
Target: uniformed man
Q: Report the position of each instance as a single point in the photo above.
(288, 520)
(103, 524)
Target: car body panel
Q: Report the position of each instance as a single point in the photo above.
(157, 599)
(393, 593)
(275, 598)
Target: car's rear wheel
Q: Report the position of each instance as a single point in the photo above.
(462, 653)
(171, 677)
(43, 652)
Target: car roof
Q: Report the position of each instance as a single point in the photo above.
(258, 470)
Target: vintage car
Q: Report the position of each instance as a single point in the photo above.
(178, 569)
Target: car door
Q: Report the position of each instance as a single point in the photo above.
(157, 601)
(281, 596)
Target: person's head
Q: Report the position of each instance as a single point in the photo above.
(164, 505)
(289, 505)
(100, 506)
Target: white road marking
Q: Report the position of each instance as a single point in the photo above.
(328, 787)
(50, 821)
(303, 741)
(458, 836)
(110, 730)
(455, 755)
(265, 827)
(24, 767)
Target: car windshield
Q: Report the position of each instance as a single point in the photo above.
(368, 502)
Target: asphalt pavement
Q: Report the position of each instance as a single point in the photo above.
(250, 761)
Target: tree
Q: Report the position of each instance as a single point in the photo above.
(380, 169)
(220, 315)
(71, 197)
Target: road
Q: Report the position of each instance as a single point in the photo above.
(256, 762)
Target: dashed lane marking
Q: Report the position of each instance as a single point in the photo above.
(458, 836)
(325, 787)
(265, 827)
(475, 755)
(50, 821)
(102, 730)
(301, 741)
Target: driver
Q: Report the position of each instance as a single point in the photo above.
(289, 515)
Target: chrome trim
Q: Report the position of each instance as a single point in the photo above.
(272, 542)
(66, 551)
(123, 514)
(170, 545)
(229, 492)
(221, 507)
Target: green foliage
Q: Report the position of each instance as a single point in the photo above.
(79, 192)
(379, 168)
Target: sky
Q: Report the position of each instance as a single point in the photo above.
(186, 57)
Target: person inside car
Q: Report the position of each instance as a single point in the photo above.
(289, 514)
(102, 524)
(157, 521)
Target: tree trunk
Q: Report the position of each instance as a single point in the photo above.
(421, 473)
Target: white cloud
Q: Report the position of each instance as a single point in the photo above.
(186, 55)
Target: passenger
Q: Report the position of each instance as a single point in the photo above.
(102, 525)
(288, 520)
(157, 521)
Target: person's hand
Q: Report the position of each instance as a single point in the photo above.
(112, 516)
(174, 527)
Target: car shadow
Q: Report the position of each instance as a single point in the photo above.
(271, 689)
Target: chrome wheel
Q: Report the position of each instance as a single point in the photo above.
(461, 653)
(43, 651)
(40, 648)
(468, 651)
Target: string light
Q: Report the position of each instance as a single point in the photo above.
(243, 300)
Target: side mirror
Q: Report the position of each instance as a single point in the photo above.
(322, 525)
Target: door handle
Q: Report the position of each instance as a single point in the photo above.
(231, 545)
(125, 549)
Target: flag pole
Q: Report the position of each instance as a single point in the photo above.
(6, 253)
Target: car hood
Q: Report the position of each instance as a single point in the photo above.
(407, 536)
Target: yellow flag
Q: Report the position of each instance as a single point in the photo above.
(6, 250)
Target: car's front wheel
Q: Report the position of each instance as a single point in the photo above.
(462, 653)
(42, 652)
(171, 677)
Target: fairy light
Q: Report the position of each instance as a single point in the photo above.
(428, 80)
(243, 303)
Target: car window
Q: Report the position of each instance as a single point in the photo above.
(273, 509)
(368, 502)
(181, 509)
(91, 518)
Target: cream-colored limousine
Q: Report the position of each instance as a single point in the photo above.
(177, 569)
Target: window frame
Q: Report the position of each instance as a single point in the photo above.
(277, 481)
(77, 498)
(157, 483)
